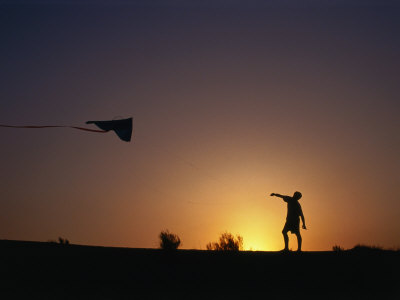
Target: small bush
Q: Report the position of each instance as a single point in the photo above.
(337, 248)
(362, 248)
(169, 241)
(227, 242)
(62, 241)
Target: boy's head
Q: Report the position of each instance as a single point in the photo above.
(297, 195)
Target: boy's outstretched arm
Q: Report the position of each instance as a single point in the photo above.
(278, 195)
(285, 198)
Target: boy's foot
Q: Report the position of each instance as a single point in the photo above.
(284, 250)
(298, 250)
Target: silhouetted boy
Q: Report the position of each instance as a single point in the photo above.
(292, 224)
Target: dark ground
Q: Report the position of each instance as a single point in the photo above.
(54, 271)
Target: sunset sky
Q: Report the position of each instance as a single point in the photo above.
(231, 101)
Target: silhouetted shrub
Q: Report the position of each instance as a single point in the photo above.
(63, 241)
(169, 241)
(227, 242)
(366, 248)
(337, 248)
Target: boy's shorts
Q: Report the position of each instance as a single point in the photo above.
(292, 225)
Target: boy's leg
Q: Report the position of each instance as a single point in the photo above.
(285, 238)
(299, 240)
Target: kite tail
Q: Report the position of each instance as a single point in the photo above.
(88, 129)
(54, 126)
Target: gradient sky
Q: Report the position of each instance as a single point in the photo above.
(231, 100)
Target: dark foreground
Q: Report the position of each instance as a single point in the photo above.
(53, 271)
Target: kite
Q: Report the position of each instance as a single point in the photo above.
(123, 127)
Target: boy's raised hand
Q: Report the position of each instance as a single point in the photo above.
(273, 194)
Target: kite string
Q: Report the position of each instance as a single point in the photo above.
(157, 147)
(53, 126)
